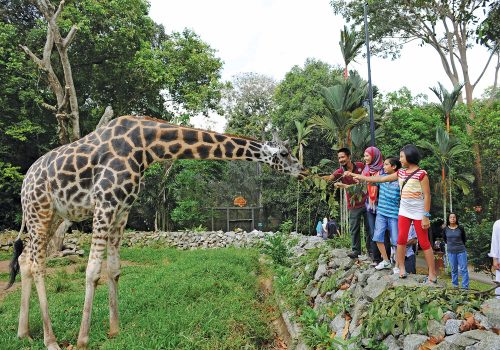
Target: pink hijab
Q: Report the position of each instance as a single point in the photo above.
(372, 169)
(376, 164)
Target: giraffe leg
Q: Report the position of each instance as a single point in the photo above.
(26, 282)
(38, 270)
(99, 239)
(113, 276)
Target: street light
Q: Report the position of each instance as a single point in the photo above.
(370, 90)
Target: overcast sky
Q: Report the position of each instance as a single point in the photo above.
(271, 36)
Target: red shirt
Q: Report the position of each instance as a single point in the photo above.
(358, 168)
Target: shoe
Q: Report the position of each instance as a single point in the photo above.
(383, 265)
(373, 264)
(404, 275)
(396, 270)
(353, 255)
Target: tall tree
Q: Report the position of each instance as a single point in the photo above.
(448, 100)
(446, 149)
(449, 27)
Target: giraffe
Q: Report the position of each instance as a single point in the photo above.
(99, 177)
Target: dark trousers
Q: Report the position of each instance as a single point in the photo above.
(355, 217)
(373, 249)
(411, 264)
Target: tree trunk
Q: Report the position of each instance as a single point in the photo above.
(443, 181)
(451, 199)
(448, 122)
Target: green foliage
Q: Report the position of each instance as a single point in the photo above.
(411, 308)
(10, 188)
(277, 246)
(478, 241)
(286, 227)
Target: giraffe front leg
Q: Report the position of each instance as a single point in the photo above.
(26, 282)
(92, 276)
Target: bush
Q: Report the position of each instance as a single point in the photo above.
(278, 248)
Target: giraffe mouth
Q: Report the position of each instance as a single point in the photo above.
(303, 174)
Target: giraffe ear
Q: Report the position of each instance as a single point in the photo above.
(276, 137)
(286, 143)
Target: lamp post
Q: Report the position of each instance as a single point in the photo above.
(370, 90)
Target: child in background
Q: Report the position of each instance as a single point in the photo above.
(319, 229)
(410, 259)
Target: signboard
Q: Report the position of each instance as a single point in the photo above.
(240, 201)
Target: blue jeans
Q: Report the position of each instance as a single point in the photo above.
(383, 223)
(458, 263)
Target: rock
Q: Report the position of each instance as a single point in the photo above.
(459, 340)
(391, 343)
(452, 327)
(413, 341)
(374, 288)
(435, 329)
(482, 320)
(337, 325)
(320, 272)
(491, 309)
(356, 312)
(490, 343)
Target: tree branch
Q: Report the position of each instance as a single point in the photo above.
(69, 38)
(485, 67)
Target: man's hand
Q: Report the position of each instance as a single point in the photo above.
(340, 185)
(411, 241)
(496, 264)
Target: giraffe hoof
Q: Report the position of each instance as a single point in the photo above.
(53, 346)
(24, 335)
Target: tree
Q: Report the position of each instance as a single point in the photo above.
(448, 100)
(303, 133)
(343, 102)
(446, 149)
(350, 44)
(449, 27)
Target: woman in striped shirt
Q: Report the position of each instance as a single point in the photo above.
(414, 206)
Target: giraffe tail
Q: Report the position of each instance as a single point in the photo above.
(14, 264)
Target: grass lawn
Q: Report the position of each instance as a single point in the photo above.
(168, 299)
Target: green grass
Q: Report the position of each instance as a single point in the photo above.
(168, 299)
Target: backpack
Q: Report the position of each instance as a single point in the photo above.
(332, 229)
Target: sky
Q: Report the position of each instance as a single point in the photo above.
(271, 36)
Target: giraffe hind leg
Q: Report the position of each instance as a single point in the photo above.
(26, 282)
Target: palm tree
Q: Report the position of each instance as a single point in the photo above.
(344, 104)
(350, 44)
(303, 133)
(448, 100)
(446, 149)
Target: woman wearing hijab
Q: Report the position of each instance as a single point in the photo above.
(373, 164)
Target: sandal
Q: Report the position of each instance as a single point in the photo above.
(404, 275)
(430, 282)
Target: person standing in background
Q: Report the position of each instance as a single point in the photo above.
(495, 253)
(454, 237)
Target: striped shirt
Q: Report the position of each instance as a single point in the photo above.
(412, 195)
(388, 198)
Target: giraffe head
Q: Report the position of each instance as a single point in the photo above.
(277, 154)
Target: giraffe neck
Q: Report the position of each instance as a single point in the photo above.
(168, 141)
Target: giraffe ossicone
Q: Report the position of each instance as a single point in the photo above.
(99, 177)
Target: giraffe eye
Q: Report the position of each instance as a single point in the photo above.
(284, 153)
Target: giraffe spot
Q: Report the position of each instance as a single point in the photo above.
(168, 135)
(187, 154)
(52, 170)
(117, 164)
(71, 191)
(108, 196)
(128, 187)
(59, 162)
(138, 157)
(81, 161)
(66, 179)
(229, 148)
(254, 148)
(128, 123)
(174, 148)
(150, 135)
(135, 136)
(86, 173)
(203, 151)
(240, 152)
(133, 165)
(248, 154)
(79, 197)
(119, 194)
(68, 164)
(159, 151)
(106, 134)
(149, 157)
(240, 142)
(119, 130)
(206, 137)
(121, 147)
(190, 136)
(218, 152)
(220, 138)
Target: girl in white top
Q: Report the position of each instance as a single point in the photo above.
(414, 206)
